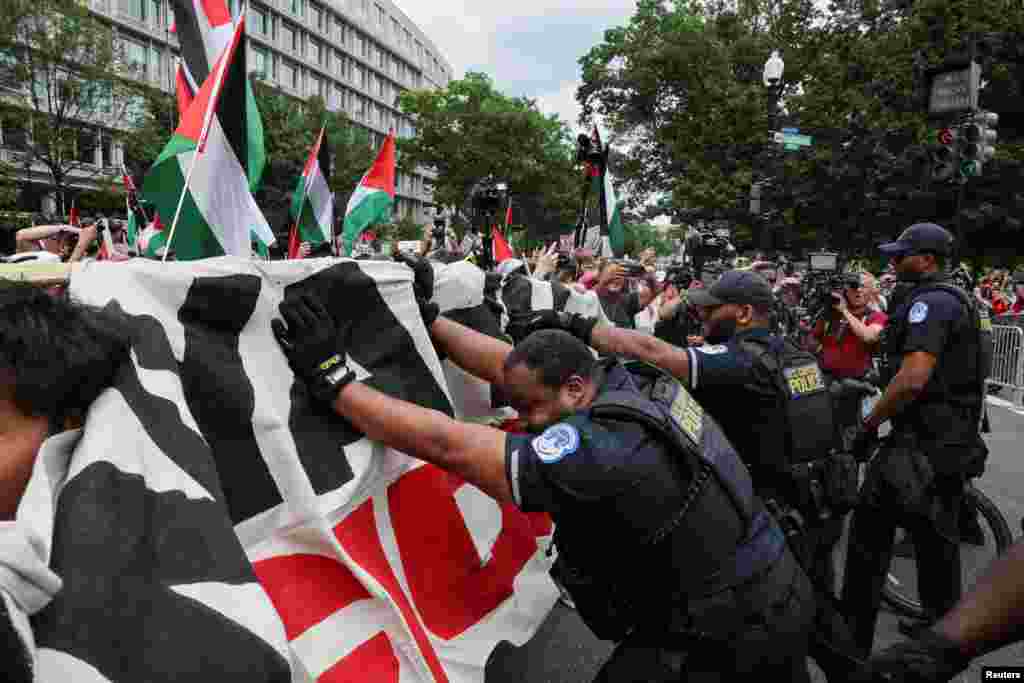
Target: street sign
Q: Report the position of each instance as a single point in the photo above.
(778, 137)
(790, 130)
(955, 92)
(789, 147)
(796, 140)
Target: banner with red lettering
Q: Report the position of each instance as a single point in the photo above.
(211, 523)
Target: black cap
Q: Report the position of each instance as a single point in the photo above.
(918, 238)
(734, 287)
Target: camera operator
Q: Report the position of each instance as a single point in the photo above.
(619, 303)
(678, 323)
(851, 331)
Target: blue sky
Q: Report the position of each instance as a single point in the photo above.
(528, 47)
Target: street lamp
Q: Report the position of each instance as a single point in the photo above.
(772, 79)
(773, 69)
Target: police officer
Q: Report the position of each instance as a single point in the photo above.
(661, 542)
(938, 353)
(770, 398)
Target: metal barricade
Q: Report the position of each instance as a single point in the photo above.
(1008, 359)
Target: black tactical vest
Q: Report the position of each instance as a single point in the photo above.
(718, 497)
(948, 413)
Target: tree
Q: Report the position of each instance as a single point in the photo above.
(71, 87)
(469, 131)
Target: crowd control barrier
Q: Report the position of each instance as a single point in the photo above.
(1008, 360)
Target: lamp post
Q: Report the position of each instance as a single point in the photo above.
(772, 79)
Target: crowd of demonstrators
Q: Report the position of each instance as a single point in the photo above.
(1002, 293)
(650, 454)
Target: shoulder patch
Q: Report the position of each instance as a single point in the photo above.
(713, 350)
(556, 442)
(918, 312)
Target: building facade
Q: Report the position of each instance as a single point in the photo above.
(358, 55)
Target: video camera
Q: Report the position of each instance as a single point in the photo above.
(679, 276)
(437, 232)
(632, 268)
(824, 278)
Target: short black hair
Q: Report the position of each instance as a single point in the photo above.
(60, 354)
(555, 356)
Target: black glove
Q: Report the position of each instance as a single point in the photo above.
(314, 346)
(929, 658)
(860, 446)
(524, 325)
(422, 285)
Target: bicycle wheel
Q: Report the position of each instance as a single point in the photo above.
(900, 589)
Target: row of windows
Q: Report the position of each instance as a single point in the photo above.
(90, 145)
(335, 29)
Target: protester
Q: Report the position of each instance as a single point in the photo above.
(621, 305)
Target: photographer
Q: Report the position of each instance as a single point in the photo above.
(851, 331)
(619, 304)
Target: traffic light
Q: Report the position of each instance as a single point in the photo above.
(978, 140)
(945, 157)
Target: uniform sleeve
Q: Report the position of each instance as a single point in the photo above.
(930, 320)
(575, 459)
(719, 365)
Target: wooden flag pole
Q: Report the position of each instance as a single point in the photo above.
(207, 121)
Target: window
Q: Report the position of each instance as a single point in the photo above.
(364, 7)
(138, 9)
(85, 146)
(313, 86)
(288, 38)
(382, 15)
(288, 74)
(156, 11)
(312, 49)
(259, 62)
(135, 57)
(261, 22)
(342, 31)
(156, 63)
(318, 18)
(396, 31)
(135, 109)
(408, 40)
(297, 7)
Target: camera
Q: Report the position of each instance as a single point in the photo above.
(823, 262)
(679, 276)
(437, 232)
(632, 268)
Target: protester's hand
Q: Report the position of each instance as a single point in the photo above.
(610, 273)
(524, 325)
(929, 658)
(695, 340)
(422, 285)
(305, 249)
(546, 259)
(314, 345)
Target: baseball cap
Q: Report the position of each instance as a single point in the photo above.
(735, 287)
(920, 237)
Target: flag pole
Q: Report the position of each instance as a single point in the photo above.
(208, 119)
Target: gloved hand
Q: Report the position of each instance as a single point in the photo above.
(862, 441)
(929, 658)
(422, 285)
(575, 324)
(314, 345)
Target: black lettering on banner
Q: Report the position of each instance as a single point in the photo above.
(215, 311)
(119, 547)
(378, 342)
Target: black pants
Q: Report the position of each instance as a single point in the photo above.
(772, 646)
(870, 553)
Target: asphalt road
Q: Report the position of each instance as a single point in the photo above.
(564, 650)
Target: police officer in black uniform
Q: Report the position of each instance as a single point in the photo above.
(661, 542)
(770, 398)
(938, 354)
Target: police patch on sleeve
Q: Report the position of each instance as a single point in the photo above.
(918, 312)
(713, 350)
(556, 442)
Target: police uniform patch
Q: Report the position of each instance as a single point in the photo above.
(804, 379)
(556, 442)
(688, 414)
(918, 312)
(713, 350)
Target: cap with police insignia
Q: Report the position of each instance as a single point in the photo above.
(735, 287)
(920, 238)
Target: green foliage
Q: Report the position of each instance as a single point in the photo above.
(681, 83)
(70, 78)
(469, 130)
(640, 236)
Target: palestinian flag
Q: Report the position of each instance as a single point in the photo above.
(372, 200)
(204, 29)
(313, 204)
(218, 213)
(152, 239)
(613, 238)
(500, 249)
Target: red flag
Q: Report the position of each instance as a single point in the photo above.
(184, 90)
(499, 246)
(293, 242)
(508, 214)
(73, 218)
